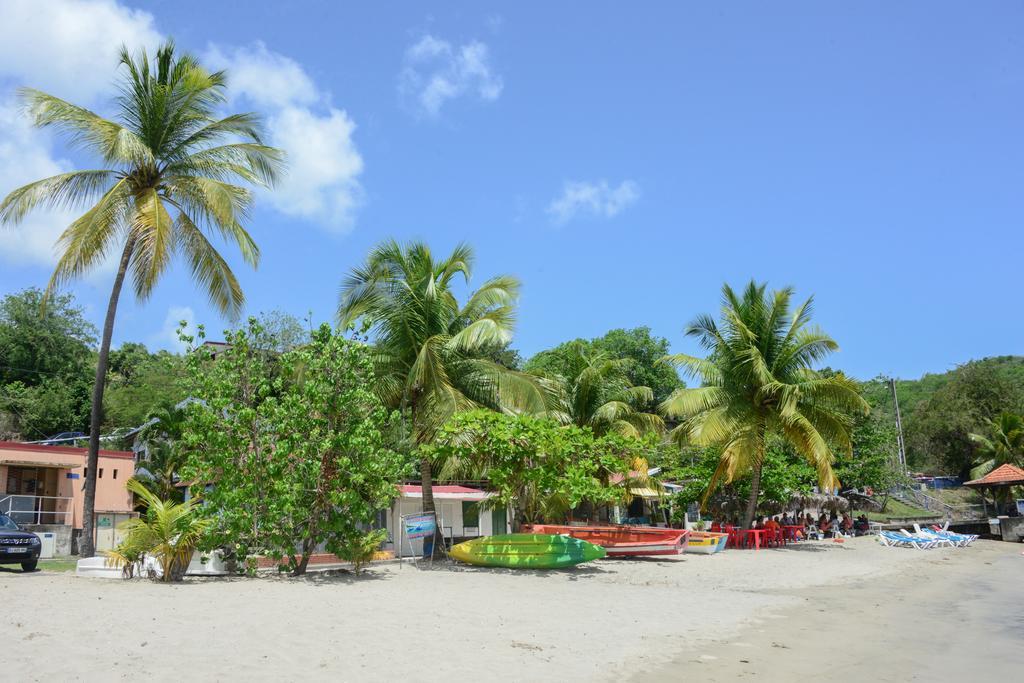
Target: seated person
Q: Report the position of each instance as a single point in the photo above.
(847, 524)
(824, 525)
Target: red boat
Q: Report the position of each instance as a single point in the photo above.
(622, 541)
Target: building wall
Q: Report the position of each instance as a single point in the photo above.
(449, 512)
(111, 495)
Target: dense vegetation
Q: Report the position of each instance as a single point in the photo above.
(941, 411)
(48, 358)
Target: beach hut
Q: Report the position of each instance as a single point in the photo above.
(1000, 482)
(463, 513)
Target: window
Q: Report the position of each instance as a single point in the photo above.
(100, 475)
(470, 514)
(115, 474)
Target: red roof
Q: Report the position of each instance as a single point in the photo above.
(40, 448)
(1004, 475)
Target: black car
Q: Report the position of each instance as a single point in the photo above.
(17, 546)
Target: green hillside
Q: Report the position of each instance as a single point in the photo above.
(940, 409)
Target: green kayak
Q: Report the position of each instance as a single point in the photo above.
(527, 551)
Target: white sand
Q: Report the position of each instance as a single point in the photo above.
(615, 619)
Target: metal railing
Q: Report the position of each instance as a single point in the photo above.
(917, 498)
(25, 509)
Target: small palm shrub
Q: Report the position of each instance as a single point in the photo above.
(167, 531)
(360, 550)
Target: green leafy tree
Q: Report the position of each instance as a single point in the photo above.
(639, 350)
(758, 381)
(504, 355)
(169, 165)
(430, 351)
(784, 474)
(283, 331)
(144, 385)
(938, 430)
(1003, 445)
(596, 392)
(872, 461)
(46, 361)
(538, 467)
(127, 360)
(293, 456)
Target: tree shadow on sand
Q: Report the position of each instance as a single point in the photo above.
(580, 571)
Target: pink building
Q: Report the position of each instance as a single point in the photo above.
(43, 488)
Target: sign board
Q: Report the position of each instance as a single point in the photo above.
(419, 526)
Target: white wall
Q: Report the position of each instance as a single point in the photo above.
(449, 513)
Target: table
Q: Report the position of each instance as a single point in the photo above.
(756, 534)
(790, 530)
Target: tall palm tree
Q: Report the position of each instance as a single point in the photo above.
(596, 393)
(757, 380)
(1005, 444)
(430, 351)
(169, 165)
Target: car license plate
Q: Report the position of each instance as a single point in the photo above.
(12, 551)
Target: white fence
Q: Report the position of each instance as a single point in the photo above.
(37, 509)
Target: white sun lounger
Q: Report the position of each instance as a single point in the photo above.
(936, 540)
(958, 540)
(894, 540)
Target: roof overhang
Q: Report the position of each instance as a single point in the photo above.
(644, 493)
(482, 495)
(38, 463)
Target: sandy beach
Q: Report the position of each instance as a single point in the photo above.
(847, 611)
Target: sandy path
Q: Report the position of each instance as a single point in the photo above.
(605, 621)
(956, 617)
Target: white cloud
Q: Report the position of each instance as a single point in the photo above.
(167, 337)
(324, 164)
(435, 71)
(25, 156)
(592, 199)
(266, 78)
(69, 47)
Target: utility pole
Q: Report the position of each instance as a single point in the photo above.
(902, 453)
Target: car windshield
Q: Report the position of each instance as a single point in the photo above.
(7, 524)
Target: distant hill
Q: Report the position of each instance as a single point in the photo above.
(941, 410)
(913, 392)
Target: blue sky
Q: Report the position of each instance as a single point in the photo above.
(624, 162)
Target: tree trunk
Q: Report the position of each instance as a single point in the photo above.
(307, 550)
(427, 488)
(87, 544)
(755, 490)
